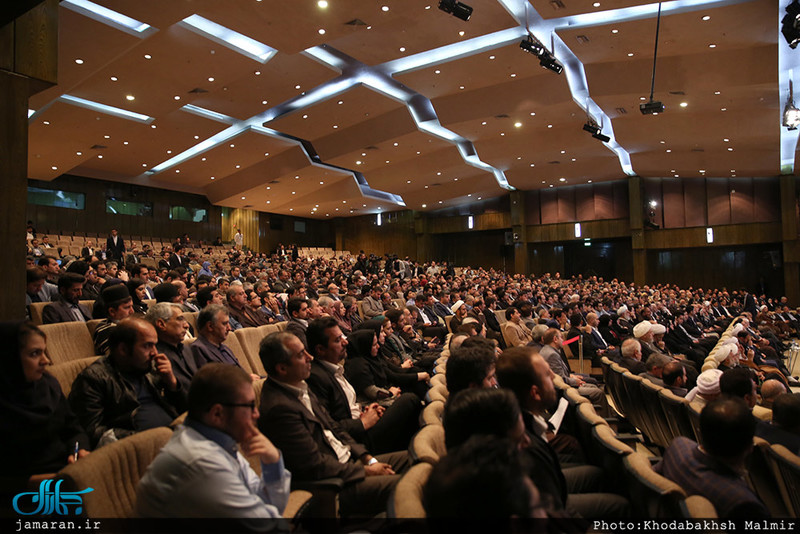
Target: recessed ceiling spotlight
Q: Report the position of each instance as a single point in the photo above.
(424, 205)
(291, 209)
(202, 159)
(169, 151)
(702, 170)
(483, 123)
(684, 104)
(461, 87)
(491, 57)
(266, 153)
(513, 75)
(212, 177)
(114, 78)
(297, 86)
(440, 202)
(176, 97)
(268, 201)
(258, 73)
(322, 4)
(439, 173)
(724, 109)
(197, 137)
(79, 153)
(384, 8)
(54, 168)
(596, 4)
(211, 79)
(517, 125)
(321, 182)
(549, 125)
(148, 56)
(358, 162)
(79, 61)
(177, 170)
(153, 126)
(408, 181)
(296, 176)
(614, 31)
(305, 116)
(294, 192)
(669, 150)
(100, 156)
(264, 102)
(402, 48)
(335, 126)
(588, 181)
(268, 188)
(562, 179)
(706, 17)
(533, 165)
(106, 137)
(321, 31)
(124, 142)
(232, 145)
(461, 33)
(130, 97)
(730, 149)
(340, 102)
(396, 144)
(238, 166)
(363, 153)
(563, 151)
(630, 54)
(437, 71)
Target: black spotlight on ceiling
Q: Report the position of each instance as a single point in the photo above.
(791, 115)
(653, 107)
(456, 8)
(546, 59)
(593, 128)
(791, 24)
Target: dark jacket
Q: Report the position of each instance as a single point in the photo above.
(103, 399)
(59, 312)
(299, 435)
(330, 395)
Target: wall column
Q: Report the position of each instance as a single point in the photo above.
(791, 239)
(28, 64)
(638, 247)
(519, 229)
(424, 237)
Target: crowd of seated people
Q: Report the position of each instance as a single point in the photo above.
(350, 370)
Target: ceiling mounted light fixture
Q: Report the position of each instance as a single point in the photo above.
(546, 59)
(653, 107)
(456, 8)
(791, 24)
(596, 130)
(791, 115)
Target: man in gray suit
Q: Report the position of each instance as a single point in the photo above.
(67, 308)
(551, 352)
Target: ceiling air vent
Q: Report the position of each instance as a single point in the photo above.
(355, 22)
(371, 147)
(98, 147)
(555, 162)
(274, 182)
(556, 4)
(582, 39)
(247, 206)
(679, 93)
(502, 116)
(197, 91)
(698, 150)
(621, 111)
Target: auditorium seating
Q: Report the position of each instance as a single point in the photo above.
(786, 466)
(651, 495)
(432, 413)
(764, 480)
(66, 372)
(67, 341)
(406, 502)
(114, 471)
(427, 445)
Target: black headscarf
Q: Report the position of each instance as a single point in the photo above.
(359, 344)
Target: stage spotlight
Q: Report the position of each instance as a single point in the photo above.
(593, 128)
(653, 107)
(791, 24)
(548, 61)
(532, 46)
(791, 115)
(455, 8)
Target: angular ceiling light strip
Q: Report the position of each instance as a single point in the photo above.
(788, 71)
(109, 17)
(420, 107)
(543, 29)
(103, 108)
(229, 38)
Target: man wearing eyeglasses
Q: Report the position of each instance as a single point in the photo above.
(202, 471)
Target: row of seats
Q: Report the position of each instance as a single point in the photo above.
(651, 495)
(68, 345)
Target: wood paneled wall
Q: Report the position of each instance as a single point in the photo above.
(475, 248)
(94, 218)
(318, 233)
(606, 258)
(234, 219)
(591, 202)
(396, 235)
(755, 267)
(684, 203)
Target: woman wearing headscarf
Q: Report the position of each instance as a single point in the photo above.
(206, 270)
(373, 376)
(40, 433)
(136, 288)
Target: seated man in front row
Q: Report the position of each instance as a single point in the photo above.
(130, 390)
(314, 445)
(200, 472)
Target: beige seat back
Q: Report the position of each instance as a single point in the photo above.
(113, 472)
(66, 372)
(407, 500)
(68, 341)
(250, 340)
(427, 445)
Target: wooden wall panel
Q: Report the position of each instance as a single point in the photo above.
(604, 201)
(719, 205)
(694, 202)
(566, 204)
(740, 191)
(766, 200)
(533, 213)
(584, 203)
(549, 206)
(673, 205)
(621, 203)
(396, 237)
(724, 235)
(486, 249)
(319, 233)
(652, 190)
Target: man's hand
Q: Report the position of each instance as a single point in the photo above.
(82, 453)
(578, 379)
(395, 391)
(370, 415)
(164, 367)
(257, 444)
(407, 364)
(423, 377)
(378, 469)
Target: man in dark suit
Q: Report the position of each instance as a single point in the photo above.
(177, 259)
(382, 429)
(785, 426)
(750, 305)
(314, 445)
(68, 307)
(115, 246)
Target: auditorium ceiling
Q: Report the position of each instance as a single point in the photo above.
(365, 106)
